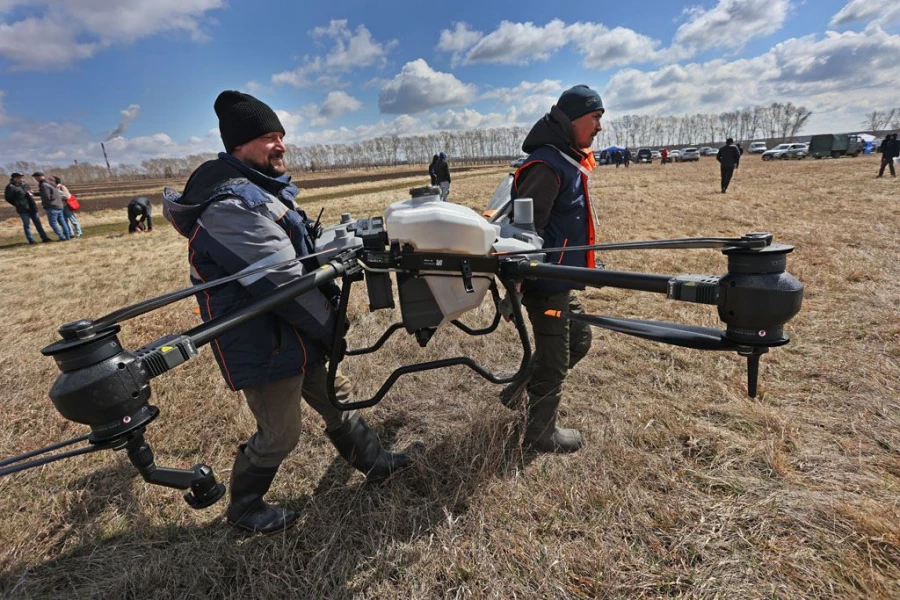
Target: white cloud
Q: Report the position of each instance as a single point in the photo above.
(461, 38)
(457, 41)
(519, 43)
(418, 88)
(350, 50)
(71, 30)
(882, 13)
(731, 23)
(817, 72)
(604, 48)
(601, 47)
(336, 104)
(525, 88)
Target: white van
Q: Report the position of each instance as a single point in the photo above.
(757, 147)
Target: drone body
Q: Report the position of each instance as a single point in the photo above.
(445, 258)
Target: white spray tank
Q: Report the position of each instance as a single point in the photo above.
(429, 225)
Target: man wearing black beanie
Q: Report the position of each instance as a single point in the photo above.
(555, 176)
(238, 212)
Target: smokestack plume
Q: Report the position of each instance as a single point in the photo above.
(128, 115)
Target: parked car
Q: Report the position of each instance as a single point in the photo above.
(655, 154)
(674, 155)
(518, 162)
(758, 148)
(797, 151)
(708, 151)
(690, 154)
(644, 155)
(775, 152)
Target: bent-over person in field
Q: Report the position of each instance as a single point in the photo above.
(238, 212)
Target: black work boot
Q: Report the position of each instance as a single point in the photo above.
(359, 446)
(247, 510)
(541, 432)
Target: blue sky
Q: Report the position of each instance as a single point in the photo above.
(142, 75)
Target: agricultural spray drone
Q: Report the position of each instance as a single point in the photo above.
(445, 259)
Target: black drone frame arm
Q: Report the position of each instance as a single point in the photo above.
(339, 351)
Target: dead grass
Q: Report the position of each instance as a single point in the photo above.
(686, 488)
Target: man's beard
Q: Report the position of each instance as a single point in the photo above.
(269, 168)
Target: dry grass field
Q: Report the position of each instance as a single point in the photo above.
(686, 487)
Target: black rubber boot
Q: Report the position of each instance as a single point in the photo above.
(359, 446)
(541, 432)
(247, 509)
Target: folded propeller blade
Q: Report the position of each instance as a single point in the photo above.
(676, 334)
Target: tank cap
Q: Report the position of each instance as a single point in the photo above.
(421, 192)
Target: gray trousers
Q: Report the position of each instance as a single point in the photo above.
(559, 344)
(276, 407)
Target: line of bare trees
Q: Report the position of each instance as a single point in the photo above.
(879, 120)
(774, 122)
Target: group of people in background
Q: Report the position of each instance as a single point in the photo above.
(439, 171)
(58, 202)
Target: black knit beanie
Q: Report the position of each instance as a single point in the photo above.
(578, 101)
(243, 118)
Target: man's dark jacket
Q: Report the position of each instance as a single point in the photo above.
(50, 196)
(20, 197)
(568, 215)
(236, 218)
(729, 156)
(442, 171)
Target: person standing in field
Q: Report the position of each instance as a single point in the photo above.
(431, 173)
(139, 212)
(68, 211)
(442, 175)
(18, 194)
(890, 149)
(555, 176)
(53, 205)
(239, 212)
(729, 158)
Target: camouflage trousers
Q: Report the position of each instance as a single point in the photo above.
(559, 343)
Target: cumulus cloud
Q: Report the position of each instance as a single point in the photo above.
(71, 30)
(457, 41)
(336, 104)
(524, 43)
(418, 88)
(603, 48)
(731, 23)
(461, 38)
(883, 13)
(519, 43)
(350, 50)
(813, 71)
(525, 88)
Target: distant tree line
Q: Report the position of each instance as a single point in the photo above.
(879, 120)
(775, 122)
